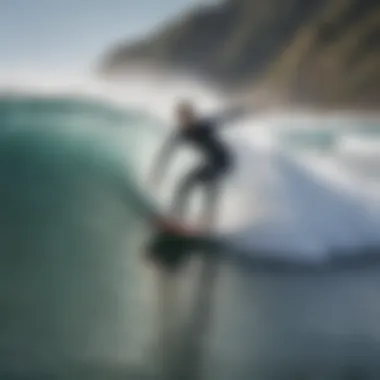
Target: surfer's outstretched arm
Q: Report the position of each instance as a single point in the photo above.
(238, 110)
(162, 159)
(231, 115)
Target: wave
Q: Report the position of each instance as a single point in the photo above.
(282, 202)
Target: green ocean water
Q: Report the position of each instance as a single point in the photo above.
(78, 301)
(69, 222)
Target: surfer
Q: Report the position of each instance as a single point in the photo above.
(217, 158)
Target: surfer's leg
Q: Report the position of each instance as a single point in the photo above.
(212, 203)
(183, 193)
(209, 207)
(210, 180)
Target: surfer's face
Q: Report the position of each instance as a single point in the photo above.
(185, 115)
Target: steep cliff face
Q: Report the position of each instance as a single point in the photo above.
(335, 58)
(320, 51)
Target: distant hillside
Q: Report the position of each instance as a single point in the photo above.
(324, 52)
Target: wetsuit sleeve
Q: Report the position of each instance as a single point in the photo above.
(164, 155)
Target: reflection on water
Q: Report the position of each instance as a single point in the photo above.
(297, 326)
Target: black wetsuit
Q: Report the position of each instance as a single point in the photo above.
(217, 161)
(217, 158)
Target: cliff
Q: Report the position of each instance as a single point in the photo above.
(323, 52)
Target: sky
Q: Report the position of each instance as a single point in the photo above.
(71, 34)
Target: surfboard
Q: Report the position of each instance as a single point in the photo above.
(172, 241)
(172, 226)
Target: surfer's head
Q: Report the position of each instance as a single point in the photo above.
(186, 113)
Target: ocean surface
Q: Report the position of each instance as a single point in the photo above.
(79, 301)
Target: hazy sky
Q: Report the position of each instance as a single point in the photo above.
(69, 34)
